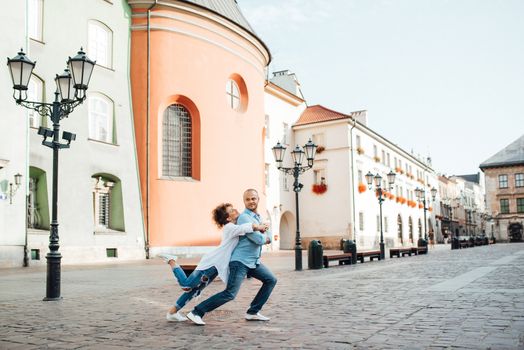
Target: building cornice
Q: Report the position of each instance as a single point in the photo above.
(282, 94)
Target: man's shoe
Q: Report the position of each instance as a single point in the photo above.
(257, 317)
(176, 317)
(168, 257)
(195, 319)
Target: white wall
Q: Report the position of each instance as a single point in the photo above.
(13, 148)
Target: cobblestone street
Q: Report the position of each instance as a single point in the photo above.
(469, 298)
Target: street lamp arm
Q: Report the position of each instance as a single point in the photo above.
(42, 108)
(294, 170)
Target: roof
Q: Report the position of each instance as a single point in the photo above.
(226, 8)
(230, 10)
(470, 178)
(511, 155)
(318, 114)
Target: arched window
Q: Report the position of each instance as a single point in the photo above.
(35, 93)
(176, 142)
(108, 210)
(100, 110)
(37, 201)
(100, 42)
(232, 94)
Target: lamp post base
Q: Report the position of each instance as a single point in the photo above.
(53, 276)
(382, 251)
(298, 258)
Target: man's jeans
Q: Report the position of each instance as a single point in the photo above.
(237, 273)
(194, 281)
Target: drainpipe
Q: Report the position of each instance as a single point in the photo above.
(353, 180)
(26, 250)
(148, 122)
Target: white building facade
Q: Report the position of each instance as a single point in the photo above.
(99, 213)
(336, 203)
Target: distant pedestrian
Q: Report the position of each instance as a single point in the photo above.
(431, 239)
(213, 263)
(245, 261)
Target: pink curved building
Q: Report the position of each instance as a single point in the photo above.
(197, 79)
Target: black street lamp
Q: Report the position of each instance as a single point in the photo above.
(370, 178)
(71, 88)
(298, 156)
(421, 197)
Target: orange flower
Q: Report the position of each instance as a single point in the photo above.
(361, 188)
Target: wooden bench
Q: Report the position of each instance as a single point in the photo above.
(343, 258)
(419, 250)
(398, 251)
(464, 244)
(372, 254)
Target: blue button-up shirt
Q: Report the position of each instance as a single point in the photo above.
(249, 247)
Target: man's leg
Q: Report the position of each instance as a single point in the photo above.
(268, 280)
(237, 272)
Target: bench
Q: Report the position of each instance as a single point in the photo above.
(372, 254)
(464, 244)
(419, 250)
(398, 251)
(343, 258)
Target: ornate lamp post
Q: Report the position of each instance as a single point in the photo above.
(370, 178)
(298, 156)
(421, 197)
(71, 91)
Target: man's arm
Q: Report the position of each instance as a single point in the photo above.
(256, 237)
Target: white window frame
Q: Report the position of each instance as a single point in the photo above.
(233, 94)
(97, 119)
(100, 43)
(35, 19)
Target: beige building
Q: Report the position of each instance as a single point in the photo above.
(504, 173)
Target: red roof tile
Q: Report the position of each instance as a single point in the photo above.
(318, 114)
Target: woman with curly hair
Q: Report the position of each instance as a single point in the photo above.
(213, 264)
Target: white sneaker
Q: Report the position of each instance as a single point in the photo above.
(195, 319)
(176, 317)
(257, 317)
(167, 257)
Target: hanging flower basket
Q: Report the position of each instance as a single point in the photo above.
(361, 188)
(420, 205)
(430, 209)
(376, 159)
(319, 188)
(360, 150)
(320, 149)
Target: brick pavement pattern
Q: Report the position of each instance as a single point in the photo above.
(460, 299)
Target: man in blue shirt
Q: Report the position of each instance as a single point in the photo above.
(245, 261)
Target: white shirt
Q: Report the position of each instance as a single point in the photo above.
(220, 256)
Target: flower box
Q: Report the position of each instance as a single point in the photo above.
(360, 150)
(361, 188)
(319, 188)
(320, 149)
(376, 159)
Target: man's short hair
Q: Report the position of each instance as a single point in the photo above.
(250, 190)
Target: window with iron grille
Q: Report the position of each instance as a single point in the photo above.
(503, 181)
(103, 209)
(102, 202)
(504, 206)
(176, 142)
(519, 180)
(520, 205)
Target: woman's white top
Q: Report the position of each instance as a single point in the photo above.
(220, 256)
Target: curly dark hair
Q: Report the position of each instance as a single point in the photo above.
(220, 214)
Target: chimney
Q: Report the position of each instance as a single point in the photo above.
(287, 81)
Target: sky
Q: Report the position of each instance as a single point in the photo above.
(441, 78)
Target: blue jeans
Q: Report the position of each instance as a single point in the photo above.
(237, 273)
(194, 281)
